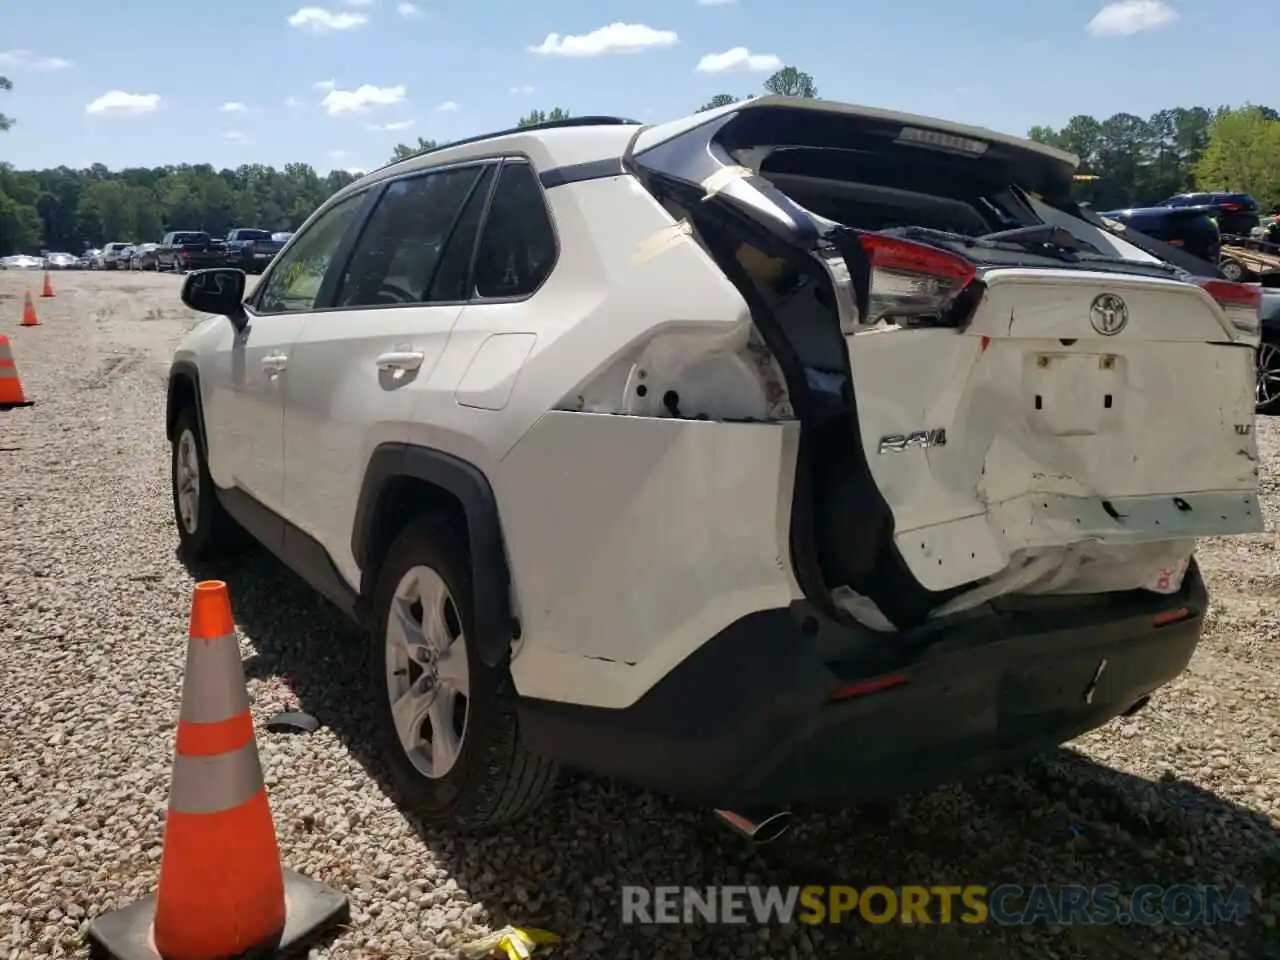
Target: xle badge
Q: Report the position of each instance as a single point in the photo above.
(920, 439)
(1093, 684)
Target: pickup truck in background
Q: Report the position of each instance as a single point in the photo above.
(188, 250)
(250, 249)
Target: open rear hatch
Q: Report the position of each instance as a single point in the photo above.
(992, 404)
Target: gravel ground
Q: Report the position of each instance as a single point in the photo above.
(93, 606)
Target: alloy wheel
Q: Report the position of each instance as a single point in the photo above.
(428, 680)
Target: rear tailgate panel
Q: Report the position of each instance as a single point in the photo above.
(1056, 435)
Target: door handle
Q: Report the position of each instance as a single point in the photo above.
(275, 362)
(401, 360)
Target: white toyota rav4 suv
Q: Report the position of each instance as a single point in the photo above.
(789, 454)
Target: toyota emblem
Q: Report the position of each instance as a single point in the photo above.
(1108, 314)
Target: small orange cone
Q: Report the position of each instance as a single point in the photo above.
(11, 395)
(29, 318)
(48, 286)
(222, 890)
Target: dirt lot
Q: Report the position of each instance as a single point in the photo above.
(93, 607)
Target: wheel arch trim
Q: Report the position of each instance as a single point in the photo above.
(180, 370)
(494, 619)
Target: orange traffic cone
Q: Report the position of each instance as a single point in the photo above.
(222, 890)
(48, 286)
(29, 318)
(11, 395)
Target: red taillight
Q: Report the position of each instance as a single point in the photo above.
(1231, 207)
(1171, 616)
(911, 280)
(861, 688)
(1241, 302)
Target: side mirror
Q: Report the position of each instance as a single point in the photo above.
(218, 290)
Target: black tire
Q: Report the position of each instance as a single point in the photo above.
(216, 534)
(495, 780)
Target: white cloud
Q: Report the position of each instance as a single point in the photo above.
(117, 103)
(716, 3)
(1127, 17)
(26, 60)
(447, 107)
(233, 107)
(357, 3)
(356, 171)
(359, 100)
(336, 154)
(738, 59)
(522, 91)
(397, 125)
(406, 8)
(320, 20)
(325, 84)
(238, 135)
(615, 38)
(293, 103)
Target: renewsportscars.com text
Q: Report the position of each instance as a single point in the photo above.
(1007, 904)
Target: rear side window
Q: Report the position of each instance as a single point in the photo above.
(396, 257)
(518, 247)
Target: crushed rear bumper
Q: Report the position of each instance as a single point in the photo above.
(749, 719)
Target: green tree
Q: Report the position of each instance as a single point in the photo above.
(5, 122)
(535, 117)
(719, 100)
(402, 150)
(790, 82)
(1243, 153)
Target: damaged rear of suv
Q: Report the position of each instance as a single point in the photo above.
(885, 465)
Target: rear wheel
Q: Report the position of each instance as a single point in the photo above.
(446, 722)
(1268, 377)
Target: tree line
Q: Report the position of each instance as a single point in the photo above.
(1129, 161)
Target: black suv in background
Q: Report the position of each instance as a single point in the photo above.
(1188, 228)
(1237, 213)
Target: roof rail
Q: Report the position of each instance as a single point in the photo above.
(595, 121)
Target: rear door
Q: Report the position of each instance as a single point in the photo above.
(361, 363)
(1000, 405)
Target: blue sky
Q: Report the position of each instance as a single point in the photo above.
(338, 83)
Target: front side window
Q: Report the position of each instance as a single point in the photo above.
(397, 255)
(294, 282)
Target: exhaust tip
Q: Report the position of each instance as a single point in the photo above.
(758, 829)
(1137, 705)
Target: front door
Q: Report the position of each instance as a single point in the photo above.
(253, 373)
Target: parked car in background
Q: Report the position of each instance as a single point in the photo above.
(111, 254)
(188, 250)
(144, 257)
(126, 257)
(23, 261)
(59, 261)
(905, 496)
(88, 259)
(1236, 213)
(1188, 228)
(250, 249)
